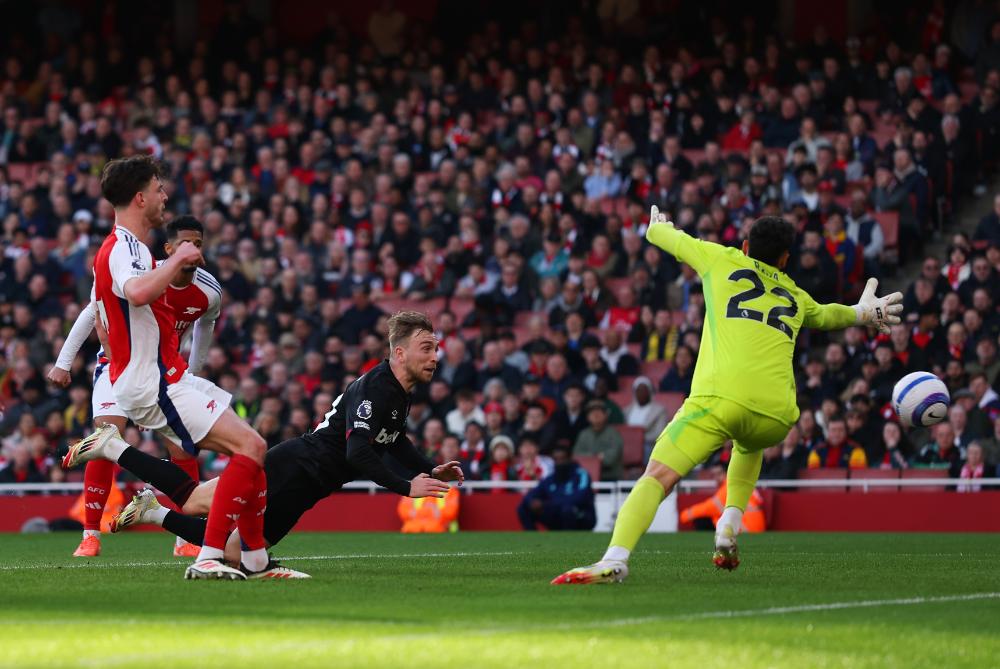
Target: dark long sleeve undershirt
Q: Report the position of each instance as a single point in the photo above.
(363, 457)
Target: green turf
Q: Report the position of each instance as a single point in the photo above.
(483, 600)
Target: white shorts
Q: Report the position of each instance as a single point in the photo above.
(185, 411)
(102, 399)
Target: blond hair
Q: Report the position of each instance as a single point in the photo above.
(404, 324)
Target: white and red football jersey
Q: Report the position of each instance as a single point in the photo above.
(202, 298)
(142, 340)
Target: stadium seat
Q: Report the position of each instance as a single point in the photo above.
(670, 401)
(925, 474)
(655, 370)
(621, 397)
(968, 90)
(869, 107)
(889, 222)
(873, 473)
(592, 463)
(19, 172)
(633, 438)
(625, 383)
(461, 307)
(837, 473)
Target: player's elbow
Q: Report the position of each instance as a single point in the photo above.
(137, 296)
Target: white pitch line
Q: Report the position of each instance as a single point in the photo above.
(477, 630)
(349, 556)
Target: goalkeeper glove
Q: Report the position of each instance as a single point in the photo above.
(880, 312)
(658, 218)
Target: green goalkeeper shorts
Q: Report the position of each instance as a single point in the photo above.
(703, 424)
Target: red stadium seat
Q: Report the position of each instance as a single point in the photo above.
(869, 107)
(889, 222)
(875, 474)
(591, 463)
(832, 473)
(695, 156)
(670, 401)
(925, 474)
(621, 397)
(461, 307)
(655, 370)
(633, 438)
(968, 90)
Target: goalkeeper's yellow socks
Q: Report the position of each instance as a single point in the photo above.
(635, 517)
(741, 477)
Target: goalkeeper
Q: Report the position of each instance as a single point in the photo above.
(743, 387)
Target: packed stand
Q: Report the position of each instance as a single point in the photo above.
(506, 194)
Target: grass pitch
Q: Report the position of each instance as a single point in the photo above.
(483, 600)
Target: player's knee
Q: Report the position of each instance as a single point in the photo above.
(253, 446)
(666, 476)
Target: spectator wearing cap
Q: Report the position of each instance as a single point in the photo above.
(495, 424)
(602, 440)
(501, 463)
(644, 412)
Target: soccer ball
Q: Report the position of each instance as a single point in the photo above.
(920, 399)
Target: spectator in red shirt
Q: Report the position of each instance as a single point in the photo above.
(742, 134)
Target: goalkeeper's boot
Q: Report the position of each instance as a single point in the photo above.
(90, 447)
(213, 569)
(143, 501)
(727, 555)
(274, 570)
(89, 547)
(605, 571)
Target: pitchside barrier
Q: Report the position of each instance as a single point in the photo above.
(923, 503)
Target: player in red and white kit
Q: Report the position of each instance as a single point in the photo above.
(196, 299)
(150, 379)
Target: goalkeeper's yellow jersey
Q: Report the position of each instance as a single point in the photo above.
(753, 313)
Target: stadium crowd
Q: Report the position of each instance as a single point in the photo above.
(505, 190)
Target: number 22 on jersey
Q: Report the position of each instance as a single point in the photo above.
(737, 309)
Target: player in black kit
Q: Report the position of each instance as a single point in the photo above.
(365, 422)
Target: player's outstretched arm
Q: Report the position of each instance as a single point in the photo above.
(878, 312)
(59, 374)
(695, 252)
